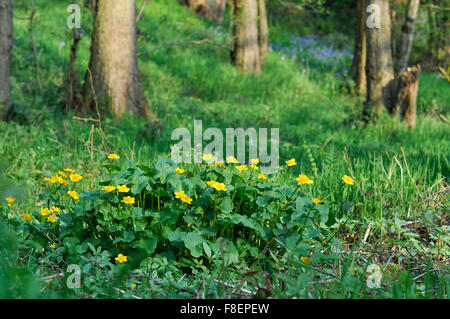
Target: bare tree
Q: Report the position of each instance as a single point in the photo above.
(113, 67)
(6, 33)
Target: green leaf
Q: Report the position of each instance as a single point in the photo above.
(193, 242)
(207, 249)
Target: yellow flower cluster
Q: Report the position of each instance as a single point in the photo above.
(217, 186)
(61, 177)
(183, 197)
(49, 212)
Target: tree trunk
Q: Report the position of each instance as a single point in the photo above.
(217, 10)
(246, 54)
(358, 69)
(113, 63)
(6, 34)
(263, 29)
(201, 7)
(407, 95)
(407, 35)
(379, 68)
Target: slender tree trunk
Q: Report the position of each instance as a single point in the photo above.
(407, 35)
(379, 67)
(263, 31)
(114, 63)
(358, 69)
(6, 33)
(246, 53)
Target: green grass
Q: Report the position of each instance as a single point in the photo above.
(401, 173)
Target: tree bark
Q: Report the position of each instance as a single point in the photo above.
(379, 67)
(218, 10)
(407, 35)
(6, 34)
(114, 63)
(245, 53)
(263, 29)
(358, 69)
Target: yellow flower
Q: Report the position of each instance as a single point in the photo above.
(121, 258)
(10, 200)
(291, 162)
(179, 194)
(62, 174)
(133, 286)
(254, 161)
(232, 159)
(53, 246)
(54, 179)
(45, 211)
(69, 170)
(207, 157)
(128, 200)
(217, 186)
(186, 199)
(267, 224)
(73, 194)
(62, 181)
(317, 200)
(75, 177)
(262, 176)
(305, 260)
(109, 188)
(179, 170)
(348, 180)
(51, 218)
(254, 167)
(303, 179)
(242, 167)
(123, 189)
(47, 179)
(26, 217)
(218, 164)
(55, 209)
(113, 156)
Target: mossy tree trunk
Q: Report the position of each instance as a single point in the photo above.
(6, 34)
(113, 63)
(379, 67)
(358, 68)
